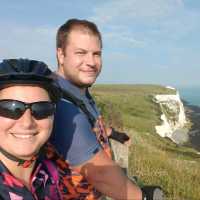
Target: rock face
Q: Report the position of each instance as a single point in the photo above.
(173, 118)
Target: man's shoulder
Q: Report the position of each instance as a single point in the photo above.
(68, 88)
(71, 118)
(67, 108)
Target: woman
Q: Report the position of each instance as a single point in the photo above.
(27, 105)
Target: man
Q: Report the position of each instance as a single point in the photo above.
(79, 137)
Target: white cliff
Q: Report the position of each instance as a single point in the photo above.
(172, 116)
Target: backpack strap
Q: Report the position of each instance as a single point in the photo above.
(79, 103)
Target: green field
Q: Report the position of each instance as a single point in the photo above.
(155, 160)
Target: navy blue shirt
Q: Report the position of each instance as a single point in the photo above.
(72, 134)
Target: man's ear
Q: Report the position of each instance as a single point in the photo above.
(60, 55)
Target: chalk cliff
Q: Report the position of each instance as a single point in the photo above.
(172, 116)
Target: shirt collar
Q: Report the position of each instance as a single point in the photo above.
(67, 85)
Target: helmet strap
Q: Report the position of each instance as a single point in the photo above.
(20, 162)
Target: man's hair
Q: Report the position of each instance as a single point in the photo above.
(75, 24)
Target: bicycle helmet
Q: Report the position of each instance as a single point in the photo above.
(25, 71)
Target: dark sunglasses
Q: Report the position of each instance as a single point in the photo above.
(14, 109)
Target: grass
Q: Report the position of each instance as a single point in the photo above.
(155, 160)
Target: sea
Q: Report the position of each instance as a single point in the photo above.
(190, 94)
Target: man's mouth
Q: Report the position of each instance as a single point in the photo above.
(90, 73)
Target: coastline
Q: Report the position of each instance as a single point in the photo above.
(193, 114)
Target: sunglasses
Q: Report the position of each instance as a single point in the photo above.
(14, 109)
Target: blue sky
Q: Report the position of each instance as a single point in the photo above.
(145, 41)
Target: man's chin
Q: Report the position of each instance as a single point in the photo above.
(87, 82)
(84, 85)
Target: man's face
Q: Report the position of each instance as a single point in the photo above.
(80, 63)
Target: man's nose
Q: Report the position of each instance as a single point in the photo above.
(90, 60)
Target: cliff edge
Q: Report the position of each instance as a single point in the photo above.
(173, 117)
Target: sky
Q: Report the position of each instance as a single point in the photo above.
(144, 41)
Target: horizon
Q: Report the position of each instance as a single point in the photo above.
(153, 84)
(145, 42)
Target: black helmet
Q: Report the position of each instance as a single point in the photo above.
(25, 71)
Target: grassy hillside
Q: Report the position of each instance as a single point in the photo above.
(153, 159)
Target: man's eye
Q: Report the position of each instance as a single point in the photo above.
(98, 54)
(80, 53)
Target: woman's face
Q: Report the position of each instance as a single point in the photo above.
(24, 137)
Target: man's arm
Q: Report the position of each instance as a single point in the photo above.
(108, 178)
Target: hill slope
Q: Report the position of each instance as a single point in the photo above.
(153, 159)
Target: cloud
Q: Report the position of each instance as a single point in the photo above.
(134, 9)
(146, 24)
(136, 24)
(122, 40)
